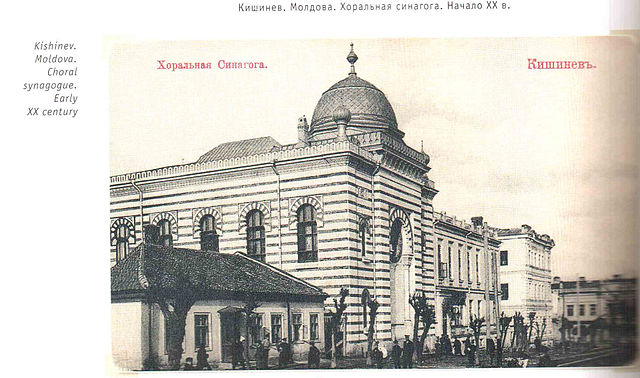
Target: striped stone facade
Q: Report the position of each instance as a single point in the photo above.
(342, 180)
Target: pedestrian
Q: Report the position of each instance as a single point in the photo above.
(472, 354)
(457, 346)
(545, 360)
(237, 354)
(446, 345)
(313, 356)
(407, 353)
(499, 353)
(266, 346)
(396, 354)
(202, 362)
(376, 356)
(188, 365)
(285, 356)
(491, 350)
(467, 346)
(438, 348)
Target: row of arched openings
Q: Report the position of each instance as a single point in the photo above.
(307, 233)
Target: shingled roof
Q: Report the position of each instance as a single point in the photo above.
(219, 275)
(240, 148)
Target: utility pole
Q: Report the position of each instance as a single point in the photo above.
(487, 284)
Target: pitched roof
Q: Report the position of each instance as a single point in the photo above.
(240, 148)
(216, 274)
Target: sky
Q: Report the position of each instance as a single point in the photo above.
(554, 149)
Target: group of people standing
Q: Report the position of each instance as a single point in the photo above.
(468, 348)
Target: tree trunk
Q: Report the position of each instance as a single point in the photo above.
(423, 337)
(175, 332)
(416, 324)
(334, 358)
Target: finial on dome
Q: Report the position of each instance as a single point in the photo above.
(352, 58)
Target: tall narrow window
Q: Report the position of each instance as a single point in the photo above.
(363, 238)
(276, 328)
(477, 269)
(504, 258)
(297, 327)
(201, 330)
(468, 264)
(307, 234)
(504, 291)
(314, 327)
(255, 327)
(449, 260)
(459, 264)
(395, 240)
(441, 265)
(569, 310)
(255, 235)
(165, 238)
(122, 242)
(208, 236)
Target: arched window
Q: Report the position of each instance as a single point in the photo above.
(307, 234)
(122, 242)
(208, 236)
(363, 237)
(255, 235)
(396, 241)
(165, 238)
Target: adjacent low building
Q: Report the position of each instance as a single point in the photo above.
(596, 309)
(287, 306)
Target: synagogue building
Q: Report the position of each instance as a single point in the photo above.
(350, 205)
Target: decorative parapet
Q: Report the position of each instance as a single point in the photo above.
(525, 229)
(460, 223)
(286, 152)
(379, 137)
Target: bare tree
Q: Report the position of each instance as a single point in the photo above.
(336, 318)
(519, 331)
(505, 321)
(475, 323)
(424, 313)
(530, 327)
(373, 305)
(175, 305)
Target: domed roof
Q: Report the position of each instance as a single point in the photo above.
(368, 106)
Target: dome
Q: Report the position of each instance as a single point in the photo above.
(367, 104)
(370, 110)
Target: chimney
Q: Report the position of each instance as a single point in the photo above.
(477, 221)
(151, 234)
(303, 131)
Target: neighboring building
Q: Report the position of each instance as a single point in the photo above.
(348, 205)
(525, 274)
(610, 303)
(463, 274)
(215, 320)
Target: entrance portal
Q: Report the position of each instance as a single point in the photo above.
(400, 285)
